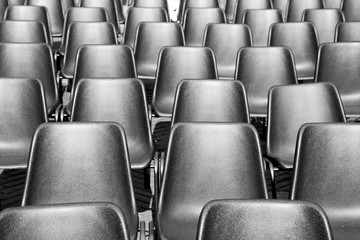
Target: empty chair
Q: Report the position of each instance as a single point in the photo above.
(325, 21)
(186, 4)
(351, 10)
(281, 5)
(326, 173)
(280, 220)
(196, 153)
(297, 7)
(137, 15)
(176, 64)
(195, 22)
(237, 7)
(226, 40)
(210, 101)
(23, 108)
(3, 6)
(337, 63)
(64, 221)
(157, 35)
(32, 60)
(259, 21)
(117, 100)
(154, 3)
(16, 2)
(66, 4)
(259, 69)
(302, 39)
(22, 32)
(85, 162)
(347, 32)
(332, 3)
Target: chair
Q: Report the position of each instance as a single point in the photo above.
(23, 108)
(22, 32)
(332, 3)
(196, 152)
(351, 10)
(235, 8)
(117, 100)
(176, 64)
(259, 69)
(31, 13)
(325, 21)
(259, 21)
(154, 3)
(195, 22)
(347, 32)
(66, 4)
(3, 6)
(337, 64)
(297, 7)
(302, 39)
(186, 4)
(329, 177)
(64, 221)
(280, 219)
(137, 15)
(16, 2)
(281, 5)
(81, 162)
(32, 60)
(210, 101)
(226, 40)
(157, 35)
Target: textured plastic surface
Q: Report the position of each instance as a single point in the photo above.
(302, 39)
(347, 32)
(204, 162)
(176, 64)
(281, 5)
(342, 71)
(3, 6)
(297, 7)
(235, 8)
(117, 100)
(292, 106)
(154, 3)
(81, 162)
(263, 219)
(66, 4)
(195, 22)
(64, 221)
(226, 40)
(260, 68)
(210, 101)
(326, 173)
(186, 4)
(351, 10)
(22, 32)
(332, 3)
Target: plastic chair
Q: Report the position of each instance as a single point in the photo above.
(337, 64)
(176, 64)
(210, 101)
(281, 5)
(235, 8)
(186, 4)
(64, 221)
(325, 21)
(302, 39)
(22, 32)
(3, 6)
(195, 22)
(347, 32)
(351, 10)
(117, 100)
(280, 219)
(259, 69)
(259, 21)
(137, 15)
(297, 7)
(196, 153)
(16, 2)
(81, 162)
(154, 3)
(332, 3)
(66, 4)
(157, 35)
(23, 108)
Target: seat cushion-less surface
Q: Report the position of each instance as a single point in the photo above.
(22, 32)
(347, 32)
(351, 10)
(64, 221)
(235, 8)
(297, 7)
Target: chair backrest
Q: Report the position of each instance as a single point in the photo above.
(176, 64)
(196, 21)
(226, 40)
(157, 35)
(66, 4)
(301, 38)
(292, 106)
(259, 21)
(337, 63)
(325, 21)
(325, 171)
(332, 3)
(197, 152)
(81, 162)
(280, 220)
(31, 60)
(210, 101)
(22, 32)
(237, 7)
(16, 2)
(347, 32)
(351, 10)
(30, 13)
(259, 69)
(154, 3)
(3, 6)
(137, 15)
(81, 14)
(23, 108)
(297, 7)
(186, 4)
(64, 221)
(281, 5)
(81, 33)
(117, 100)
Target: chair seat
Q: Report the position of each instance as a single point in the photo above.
(285, 159)
(175, 227)
(13, 161)
(140, 155)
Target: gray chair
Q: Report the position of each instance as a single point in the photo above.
(347, 32)
(351, 10)
(23, 32)
(235, 8)
(296, 8)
